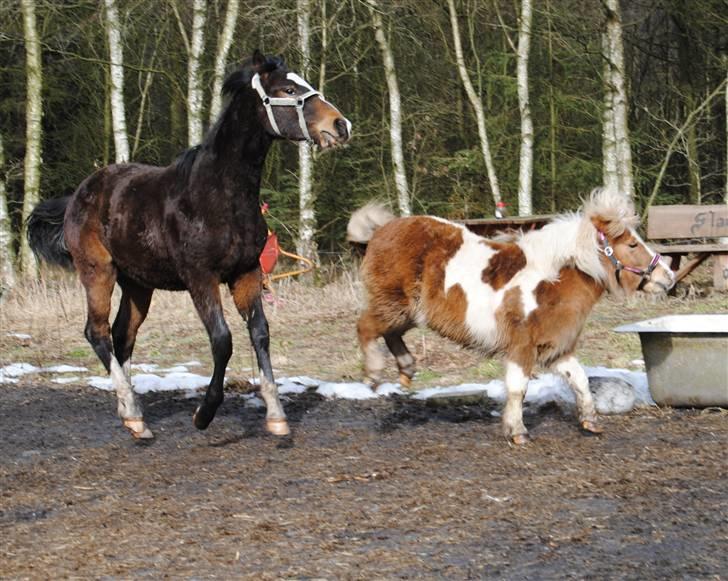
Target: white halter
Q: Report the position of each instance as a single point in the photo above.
(298, 102)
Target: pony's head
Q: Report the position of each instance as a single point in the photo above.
(629, 263)
(287, 105)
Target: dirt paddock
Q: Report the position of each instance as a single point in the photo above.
(385, 488)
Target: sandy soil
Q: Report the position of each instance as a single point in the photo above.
(377, 489)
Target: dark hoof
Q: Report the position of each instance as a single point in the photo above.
(202, 418)
(590, 428)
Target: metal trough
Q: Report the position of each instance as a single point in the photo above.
(686, 357)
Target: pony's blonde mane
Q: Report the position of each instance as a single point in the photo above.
(571, 240)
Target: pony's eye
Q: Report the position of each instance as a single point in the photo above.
(633, 245)
(290, 91)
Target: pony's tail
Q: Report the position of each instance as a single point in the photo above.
(365, 221)
(45, 232)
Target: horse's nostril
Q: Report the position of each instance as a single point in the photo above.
(342, 127)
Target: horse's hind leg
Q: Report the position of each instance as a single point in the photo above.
(405, 359)
(206, 298)
(133, 309)
(98, 277)
(246, 295)
(369, 329)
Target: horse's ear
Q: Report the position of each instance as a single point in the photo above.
(258, 59)
(605, 224)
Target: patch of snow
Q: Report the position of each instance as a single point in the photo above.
(23, 336)
(302, 380)
(64, 380)
(64, 369)
(346, 390)
(289, 387)
(145, 367)
(17, 370)
(190, 364)
(386, 389)
(175, 369)
(103, 383)
(253, 401)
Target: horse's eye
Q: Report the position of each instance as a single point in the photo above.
(633, 245)
(290, 91)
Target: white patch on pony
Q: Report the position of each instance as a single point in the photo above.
(465, 268)
(299, 81)
(576, 377)
(516, 384)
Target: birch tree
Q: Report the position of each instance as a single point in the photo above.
(306, 197)
(395, 109)
(7, 255)
(477, 104)
(116, 58)
(525, 168)
(610, 175)
(194, 46)
(618, 86)
(224, 42)
(33, 128)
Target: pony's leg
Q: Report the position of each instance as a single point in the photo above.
(133, 309)
(516, 382)
(405, 359)
(572, 371)
(98, 278)
(246, 295)
(206, 298)
(369, 329)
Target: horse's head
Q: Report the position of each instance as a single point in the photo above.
(288, 106)
(631, 264)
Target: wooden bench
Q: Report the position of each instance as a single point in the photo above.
(691, 230)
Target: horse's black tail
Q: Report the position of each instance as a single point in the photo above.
(45, 232)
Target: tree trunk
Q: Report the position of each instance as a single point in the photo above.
(619, 100)
(224, 42)
(33, 129)
(7, 254)
(116, 58)
(194, 84)
(525, 168)
(610, 177)
(306, 197)
(477, 105)
(395, 110)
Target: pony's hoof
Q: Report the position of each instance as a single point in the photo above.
(277, 427)
(138, 428)
(591, 427)
(405, 381)
(521, 439)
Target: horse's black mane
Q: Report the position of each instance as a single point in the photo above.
(233, 87)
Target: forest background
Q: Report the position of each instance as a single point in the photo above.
(456, 104)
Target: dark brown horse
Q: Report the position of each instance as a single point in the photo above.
(192, 225)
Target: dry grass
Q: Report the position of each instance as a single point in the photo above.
(312, 330)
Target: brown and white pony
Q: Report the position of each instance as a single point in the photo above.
(523, 297)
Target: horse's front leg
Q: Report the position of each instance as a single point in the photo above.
(246, 291)
(206, 298)
(516, 383)
(572, 371)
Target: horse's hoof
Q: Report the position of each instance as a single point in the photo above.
(521, 439)
(405, 381)
(200, 420)
(591, 427)
(277, 427)
(138, 428)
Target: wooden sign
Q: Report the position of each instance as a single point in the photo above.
(687, 222)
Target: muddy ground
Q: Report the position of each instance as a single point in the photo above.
(387, 488)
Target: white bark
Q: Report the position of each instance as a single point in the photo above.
(525, 168)
(619, 102)
(224, 42)
(33, 128)
(610, 177)
(306, 197)
(395, 110)
(7, 255)
(194, 84)
(116, 58)
(476, 103)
